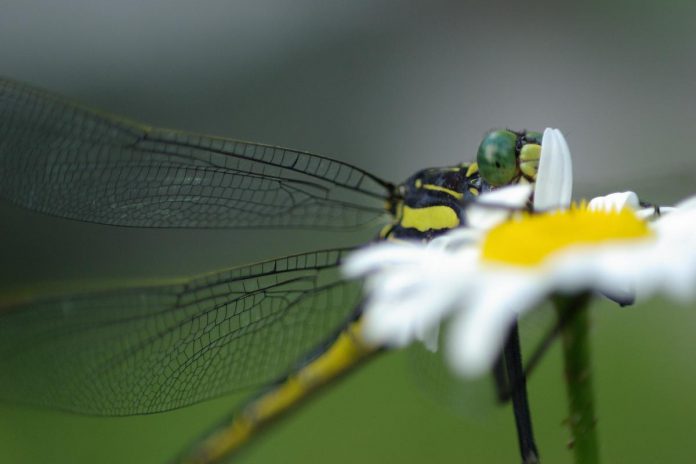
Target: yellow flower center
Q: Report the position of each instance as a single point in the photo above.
(531, 238)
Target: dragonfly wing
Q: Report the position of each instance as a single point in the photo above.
(61, 158)
(155, 348)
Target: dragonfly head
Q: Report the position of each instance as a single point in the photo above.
(508, 157)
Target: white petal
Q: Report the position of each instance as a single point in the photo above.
(615, 202)
(680, 223)
(567, 183)
(478, 332)
(554, 181)
(511, 196)
(401, 318)
(494, 207)
(455, 239)
(410, 293)
(602, 268)
(647, 214)
(631, 268)
(374, 257)
(688, 204)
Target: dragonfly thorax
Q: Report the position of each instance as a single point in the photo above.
(432, 201)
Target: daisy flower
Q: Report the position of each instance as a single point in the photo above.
(486, 276)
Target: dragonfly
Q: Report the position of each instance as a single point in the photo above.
(287, 326)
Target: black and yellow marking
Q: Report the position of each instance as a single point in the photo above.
(472, 169)
(431, 202)
(437, 217)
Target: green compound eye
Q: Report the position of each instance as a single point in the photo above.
(496, 157)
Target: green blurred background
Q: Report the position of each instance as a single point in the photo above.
(391, 86)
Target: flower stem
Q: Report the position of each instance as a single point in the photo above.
(573, 311)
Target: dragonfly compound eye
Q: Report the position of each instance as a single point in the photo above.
(496, 157)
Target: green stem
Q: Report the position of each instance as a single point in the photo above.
(578, 373)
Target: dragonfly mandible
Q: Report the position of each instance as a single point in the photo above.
(289, 324)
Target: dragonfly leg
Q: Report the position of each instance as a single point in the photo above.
(511, 379)
(502, 386)
(520, 404)
(545, 343)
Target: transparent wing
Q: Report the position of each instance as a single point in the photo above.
(61, 158)
(155, 348)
